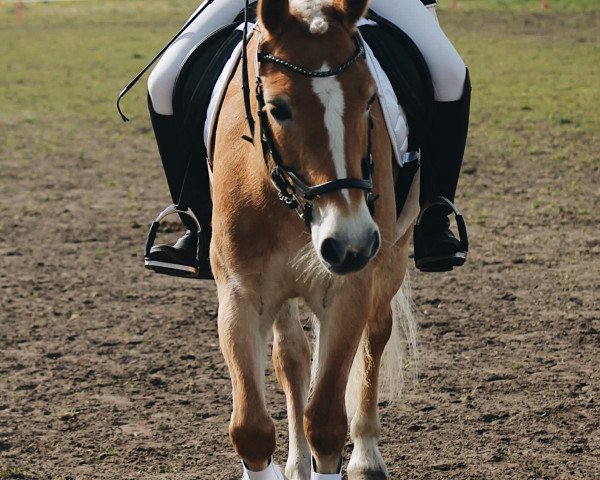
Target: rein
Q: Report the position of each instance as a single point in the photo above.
(292, 190)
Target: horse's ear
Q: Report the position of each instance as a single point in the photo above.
(355, 9)
(273, 14)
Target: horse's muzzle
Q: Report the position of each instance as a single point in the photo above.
(342, 258)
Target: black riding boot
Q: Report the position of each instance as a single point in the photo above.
(436, 247)
(189, 256)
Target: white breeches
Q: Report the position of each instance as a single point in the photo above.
(446, 67)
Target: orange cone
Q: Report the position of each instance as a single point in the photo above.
(454, 5)
(19, 13)
(544, 4)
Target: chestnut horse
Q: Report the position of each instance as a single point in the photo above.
(320, 149)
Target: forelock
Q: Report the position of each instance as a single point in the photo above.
(311, 12)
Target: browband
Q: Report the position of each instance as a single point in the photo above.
(360, 53)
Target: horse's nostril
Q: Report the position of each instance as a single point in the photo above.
(333, 251)
(376, 244)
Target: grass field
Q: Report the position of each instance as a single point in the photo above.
(509, 385)
(522, 6)
(535, 71)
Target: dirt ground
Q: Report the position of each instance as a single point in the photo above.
(108, 371)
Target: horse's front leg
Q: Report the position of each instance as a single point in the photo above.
(325, 420)
(366, 462)
(243, 331)
(291, 358)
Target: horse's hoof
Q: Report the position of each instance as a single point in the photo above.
(367, 475)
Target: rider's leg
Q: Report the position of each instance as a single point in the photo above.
(436, 248)
(445, 65)
(442, 153)
(174, 150)
(162, 79)
(179, 259)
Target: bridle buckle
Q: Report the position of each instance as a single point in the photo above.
(285, 190)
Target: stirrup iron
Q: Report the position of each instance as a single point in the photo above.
(169, 268)
(446, 262)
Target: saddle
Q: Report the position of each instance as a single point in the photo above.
(398, 56)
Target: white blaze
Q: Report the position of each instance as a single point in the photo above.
(330, 93)
(354, 229)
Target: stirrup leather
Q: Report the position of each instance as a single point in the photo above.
(447, 262)
(170, 268)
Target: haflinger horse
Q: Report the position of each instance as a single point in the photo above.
(322, 149)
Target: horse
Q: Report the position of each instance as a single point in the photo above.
(304, 209)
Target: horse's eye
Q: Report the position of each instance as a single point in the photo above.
(280, 110)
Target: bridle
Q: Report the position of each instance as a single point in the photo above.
(292, 190)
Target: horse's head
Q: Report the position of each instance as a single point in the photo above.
(320, 125)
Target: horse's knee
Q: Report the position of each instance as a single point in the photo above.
(253, 440)
(325, 430)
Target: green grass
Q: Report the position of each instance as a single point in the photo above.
(538, 82)
(520, 5)
(535, 75)
(73, 58)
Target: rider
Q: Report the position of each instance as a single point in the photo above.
(436, 248)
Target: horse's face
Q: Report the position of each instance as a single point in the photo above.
(321, 125)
